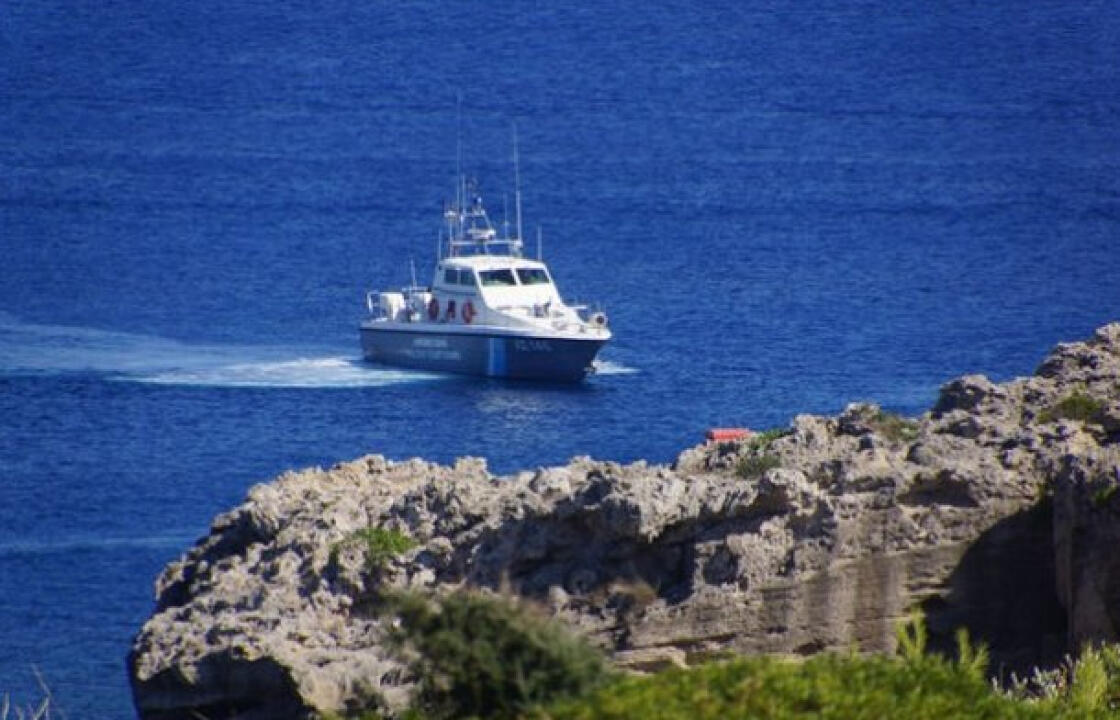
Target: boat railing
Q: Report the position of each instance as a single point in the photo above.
(511, 247)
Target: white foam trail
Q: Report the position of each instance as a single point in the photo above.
(27, 347)
(608, 367)
(54, 349)
(325, 372)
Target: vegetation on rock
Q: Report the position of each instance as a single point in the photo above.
(754, 466)
(1077, 405)
(477, 655)
(380, 545)
(481, 656)
(894, 427)
(758, 458)
(915, 684)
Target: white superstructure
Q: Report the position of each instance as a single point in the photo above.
(484, 287)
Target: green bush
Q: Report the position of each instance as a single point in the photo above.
(763, 439)
(894, 427)
(1090, 684)
(754, 466)
(380, 545)
(824, 686)
(1075, 406)
(476, 655)
(758, 458)
(831, 686)
(481, 656)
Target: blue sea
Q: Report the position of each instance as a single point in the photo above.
(782, 208)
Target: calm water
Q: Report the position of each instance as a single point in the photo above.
(782, 210)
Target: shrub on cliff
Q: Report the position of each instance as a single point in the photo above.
(1091, 683)
(1075, 406)
(758, 458)
(379, 544)
(477, 655)
(913, 685)
(894, 427)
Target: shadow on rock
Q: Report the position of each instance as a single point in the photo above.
(1004, 592)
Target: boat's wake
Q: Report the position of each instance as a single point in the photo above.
(608, 367)
(31, 349)
(311, 372)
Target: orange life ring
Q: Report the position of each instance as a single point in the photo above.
(468, 312)
(433, 309)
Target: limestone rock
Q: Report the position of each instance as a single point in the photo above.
(848, 524)
(1087, 533)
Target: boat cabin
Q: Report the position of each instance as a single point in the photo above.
(499, 281)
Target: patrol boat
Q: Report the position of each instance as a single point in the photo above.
(489, 311)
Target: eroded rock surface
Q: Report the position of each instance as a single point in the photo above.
(995, 510)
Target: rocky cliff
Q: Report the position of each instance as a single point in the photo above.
(995, 510)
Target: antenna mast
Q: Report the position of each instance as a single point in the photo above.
(517, 182)
(505, 215)
(459, 192)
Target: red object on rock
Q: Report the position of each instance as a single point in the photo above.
(729, 433)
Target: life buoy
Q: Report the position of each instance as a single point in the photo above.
(433, 309)
(468, 312)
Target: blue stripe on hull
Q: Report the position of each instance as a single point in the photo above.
(563, 359)
(497, 365)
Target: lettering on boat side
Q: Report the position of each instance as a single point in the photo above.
(431, 354)
(429, 342)
(536, 346)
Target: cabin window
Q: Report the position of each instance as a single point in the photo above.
(451, 276)
(491, 278)
(532, 276)
(466, 277)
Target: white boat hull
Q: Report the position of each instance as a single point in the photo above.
(480, 351)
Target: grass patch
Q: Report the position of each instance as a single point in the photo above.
(758, 459)
(1077, 405)
(894, 427)
(380, 545)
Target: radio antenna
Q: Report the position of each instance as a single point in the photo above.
(459, 199)
(517, 182)
(505, 215)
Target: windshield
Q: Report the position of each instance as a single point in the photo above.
(458, 276)
(497, 277)
(532, 276)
